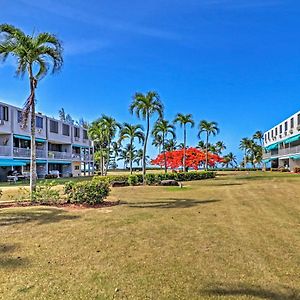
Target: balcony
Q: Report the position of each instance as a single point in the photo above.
(291, 150)
(82, 157)
(25, 152)
(5, 151)
(59, 155)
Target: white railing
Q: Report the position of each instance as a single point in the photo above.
(59, 155)
(5, 151)
(291, 150)
(25, 152)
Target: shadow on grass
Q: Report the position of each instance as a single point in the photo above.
(8, 262)
(255, 291)
(169, 203)
(38, 215)
(225, 184)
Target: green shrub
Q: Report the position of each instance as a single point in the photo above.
(132, 180)
(151, 179)
(45, 193)
(88, 192)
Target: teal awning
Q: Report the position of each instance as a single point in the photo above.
(295, 157)
(272, 147)
(11, 163)
(27, 161)
(292, 139)
(265, 161)
(60, 162)
(28, 138)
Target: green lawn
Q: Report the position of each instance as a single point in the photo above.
(234, 237)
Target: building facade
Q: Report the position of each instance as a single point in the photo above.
(282, 144)
(60, 147)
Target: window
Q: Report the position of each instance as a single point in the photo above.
(269, 135)
(298, 119)
(85, 135)
(3, 113)
(39, 122)
(20, 116)
(265, 137)
(272, 133)
(76, 132)
(66, 130)
(53, 126)
(280, 129)
(276, 131)
(285, 126)
(77, 168)
(292, 123)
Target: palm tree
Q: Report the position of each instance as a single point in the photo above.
(220, 146)
(127, 153)
(183, 120)
(171, 145)
(245, 144)
(258, 135)
(157, 142)
(109, 127)
(201, 145)
(164, 128)
(35, 56)
(210, 128)
(131, 132)
(139, 157)
(115, 150)
(229, 160)
(145, 106)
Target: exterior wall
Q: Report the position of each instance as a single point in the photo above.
(285, 151)
(12, 127)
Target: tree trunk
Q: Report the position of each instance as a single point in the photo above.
(165, 156)
(108, 158)
(206, 156)
(131, 150)
(184, 148)
(145, 149)
(33, 174)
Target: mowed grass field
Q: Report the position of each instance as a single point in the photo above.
(234, 237)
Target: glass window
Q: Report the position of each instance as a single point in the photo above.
(85, 135)
(3, 113)
(280, 129)
(53, 126)
(38, 122)
(66, 129)
(298, 119)
(76, 132)
(20, 116)
(292, 123)
(276, 131)
(285, 126)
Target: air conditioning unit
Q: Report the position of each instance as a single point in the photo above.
(280, 135)
(291, 131)
(1, 122)
(39, 130)
(285, 133)
(76, 138)
(298, 127)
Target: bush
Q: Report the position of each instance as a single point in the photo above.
(132, 180)
(114, 178)
(50, 176)
(297, 170)
(88, 192)
(45, 193)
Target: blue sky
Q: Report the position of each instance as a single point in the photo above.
(236, 62)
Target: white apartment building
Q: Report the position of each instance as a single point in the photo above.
(60, 146)
(282, 144)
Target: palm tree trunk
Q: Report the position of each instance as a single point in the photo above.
(33, 174)
(206, 156)
(107, 159)
(165, 156)
(145, 149)
(131, 150)
(184, 148)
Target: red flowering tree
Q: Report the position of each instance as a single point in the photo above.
(195, 158)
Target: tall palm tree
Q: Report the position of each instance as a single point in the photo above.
(201, 145)
(183, 120)
(115, 149)
(259, 136)
(245, 144)
(35, 55)
(164, 128)
(139, 157)
(131, 132)
(209, 128)
(127, 153)
(145, 106)
(109, 127)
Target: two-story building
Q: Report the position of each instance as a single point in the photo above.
(60, 146)
(282, 144)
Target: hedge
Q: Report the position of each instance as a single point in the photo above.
(88, 192)
(152, 178)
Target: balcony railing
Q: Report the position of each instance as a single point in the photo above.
(82, 157)
(59, 155)
(5, 151)
(24, 152)
(291, 150)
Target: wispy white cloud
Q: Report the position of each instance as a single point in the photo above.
(73, 13)
(74, 47)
